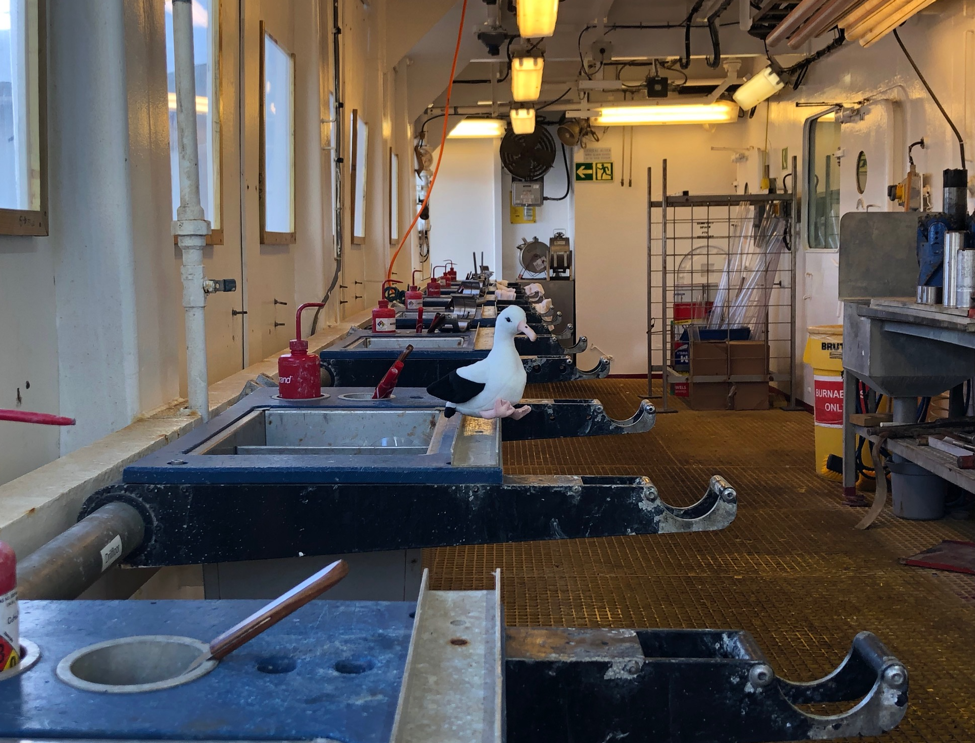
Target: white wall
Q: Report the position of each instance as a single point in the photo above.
(465, 209)
(943, 46)
(611, 229)
(91, 316)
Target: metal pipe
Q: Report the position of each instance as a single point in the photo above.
(69, 564)
(954, 242)
(822, 19)
(792, 21)
(649, 287)
(503, 108)
(965, 279)
(793, 317)
(905, 410)
(663, 288)
(191, 225)
(337, 142)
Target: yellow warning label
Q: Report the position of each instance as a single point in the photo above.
(520, 214)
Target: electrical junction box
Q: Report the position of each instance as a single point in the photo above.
(656, 86)
(526, 193)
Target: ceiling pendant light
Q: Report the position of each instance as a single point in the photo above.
(526, 78)
(758, 88)
(536, 18)
(523, 120)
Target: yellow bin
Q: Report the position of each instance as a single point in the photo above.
(824, 353)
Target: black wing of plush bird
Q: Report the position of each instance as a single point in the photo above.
(454, 388)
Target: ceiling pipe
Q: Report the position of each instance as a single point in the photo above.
(791, 22)
(868, 8)
(191, 226)
(824, 19)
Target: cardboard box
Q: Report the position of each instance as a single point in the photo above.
(748, 358)
(727, 359)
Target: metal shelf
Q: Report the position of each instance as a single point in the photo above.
(684, 225)
(933, 460)
(721, 199)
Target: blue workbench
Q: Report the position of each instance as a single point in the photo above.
(234, 701)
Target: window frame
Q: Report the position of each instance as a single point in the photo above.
(216, 235)
(275, 238)
(35, 222)
(354, 177)
(808, 185)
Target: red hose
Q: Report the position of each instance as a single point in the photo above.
(443, 143)
(44, 419)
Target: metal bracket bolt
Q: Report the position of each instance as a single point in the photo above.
(895, 676)
(761, 675)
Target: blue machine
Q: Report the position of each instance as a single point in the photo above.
(331, 670)
(441, 670)
(361, 357)
(933, 228)
(271, 478)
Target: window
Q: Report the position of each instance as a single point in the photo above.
(822, 185)
(393, 197)
(277, 143)
(360, 147)
(206, 46)
(23, 156)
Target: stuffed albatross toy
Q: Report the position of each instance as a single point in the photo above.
(489, 387)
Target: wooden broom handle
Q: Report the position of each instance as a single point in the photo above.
(278, 609)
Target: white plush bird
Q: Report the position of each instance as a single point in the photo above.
(489, 388)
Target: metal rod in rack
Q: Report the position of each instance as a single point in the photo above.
(664, 376)
(649, 287)
(796, 240)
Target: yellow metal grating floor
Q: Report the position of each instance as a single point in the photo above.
(791, 569)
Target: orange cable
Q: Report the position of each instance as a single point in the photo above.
(443, 144)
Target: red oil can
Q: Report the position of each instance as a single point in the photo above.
(299, 372)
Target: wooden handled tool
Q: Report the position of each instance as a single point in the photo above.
(272, 613)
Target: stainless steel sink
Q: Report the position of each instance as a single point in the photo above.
(326, 432)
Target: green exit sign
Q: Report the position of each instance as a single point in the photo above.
(594, 171)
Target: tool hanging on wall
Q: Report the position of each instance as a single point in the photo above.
(629, 182)
(623, 158)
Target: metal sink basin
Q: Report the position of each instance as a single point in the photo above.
(346, 437)
(400, 342)
(278, 431)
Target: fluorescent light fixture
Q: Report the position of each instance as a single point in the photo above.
(526, 78)
(523, 120)
(536, 18)
(478, 128)
(720, 112)
(758, 88)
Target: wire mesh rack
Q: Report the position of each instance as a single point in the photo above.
(720, 267)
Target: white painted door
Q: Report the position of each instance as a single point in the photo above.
(872, 155)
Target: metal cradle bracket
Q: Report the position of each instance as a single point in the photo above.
(556, 419)
(578, 347)
(190, 524)
(687, 686)
(562, 369)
